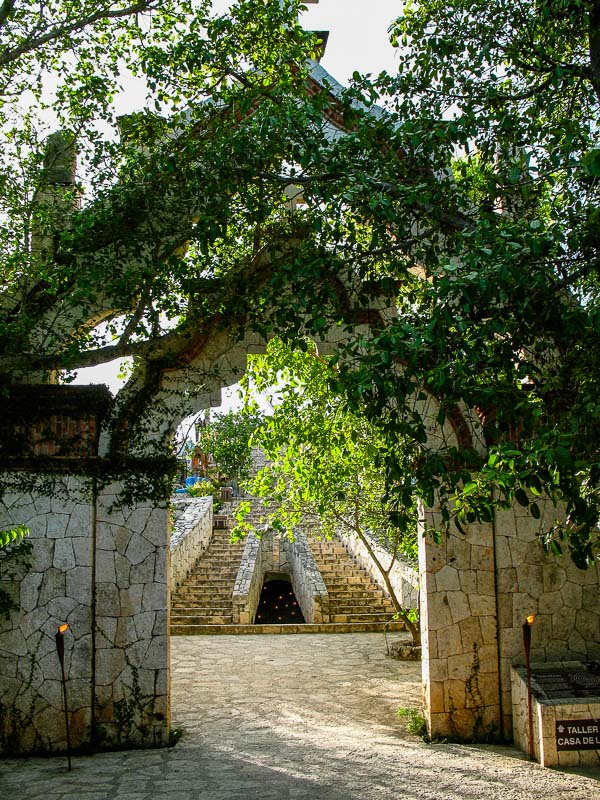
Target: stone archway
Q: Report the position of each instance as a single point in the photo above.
(84, 481)
(101, 565)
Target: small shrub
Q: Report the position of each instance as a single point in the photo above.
(415, 722)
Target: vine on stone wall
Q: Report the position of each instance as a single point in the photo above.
(132, 716)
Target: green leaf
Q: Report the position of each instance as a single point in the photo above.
(521, 497)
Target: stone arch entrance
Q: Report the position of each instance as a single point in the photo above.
(86, 480)
(101, 564)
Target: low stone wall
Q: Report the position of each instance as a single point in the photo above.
(255, 562)
(309, 587)
(404, 575)
(190, 535)
(583, 714)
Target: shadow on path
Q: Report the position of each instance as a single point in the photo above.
(308, 717)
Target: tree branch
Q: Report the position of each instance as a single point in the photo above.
(6, 10)
(59, 31)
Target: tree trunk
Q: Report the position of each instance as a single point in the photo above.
(413, 628)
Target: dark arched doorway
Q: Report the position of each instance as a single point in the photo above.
(278, 604)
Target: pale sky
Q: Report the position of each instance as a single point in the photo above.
(358, 40)
(358, 37)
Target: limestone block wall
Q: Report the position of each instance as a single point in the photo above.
(459, 627)
(190, 536)
(564, 599)
(404, 575)
(307, 582)
(131, 621)
(57, 589)
(476, 592)
(257, 560)
(274, 554)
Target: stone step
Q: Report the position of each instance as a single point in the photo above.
(340, 568)
(329, 627)
(360, 608)
(195, 595)
(216, 583)
(366, 617)
(211, 593)
(341, 591)
(216, 610)
(333, 557)
(218, 571)
(201, 619)
(217, 559)
(349, 580)
(185, 609)
(349, 594)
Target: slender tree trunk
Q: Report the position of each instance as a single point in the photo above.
(413, 628)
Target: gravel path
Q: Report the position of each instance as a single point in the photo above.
(310, 717)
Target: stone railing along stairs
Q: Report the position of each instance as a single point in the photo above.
(205, 597)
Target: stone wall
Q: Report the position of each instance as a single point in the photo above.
(459, 632)
(476, 591)
(276, 555)
(257, 560)
(102, 569)
(404, 575)
(307, 583)
(190, 536)
(564, 599)
(57, 589)
(131, 622)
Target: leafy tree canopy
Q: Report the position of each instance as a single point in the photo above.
(325, 467)
(227, 437)
(470, 202)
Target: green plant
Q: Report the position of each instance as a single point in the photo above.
(175, 735)
(14, 563)
(12, 535)
(202, 489)
(415, 721)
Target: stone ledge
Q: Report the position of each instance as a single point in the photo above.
(329, 627)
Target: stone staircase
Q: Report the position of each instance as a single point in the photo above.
(203, 603)
(204, 598)
(354, 597)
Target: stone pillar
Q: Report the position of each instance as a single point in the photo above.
(55, 589)
(131, 618)
(459, 629)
